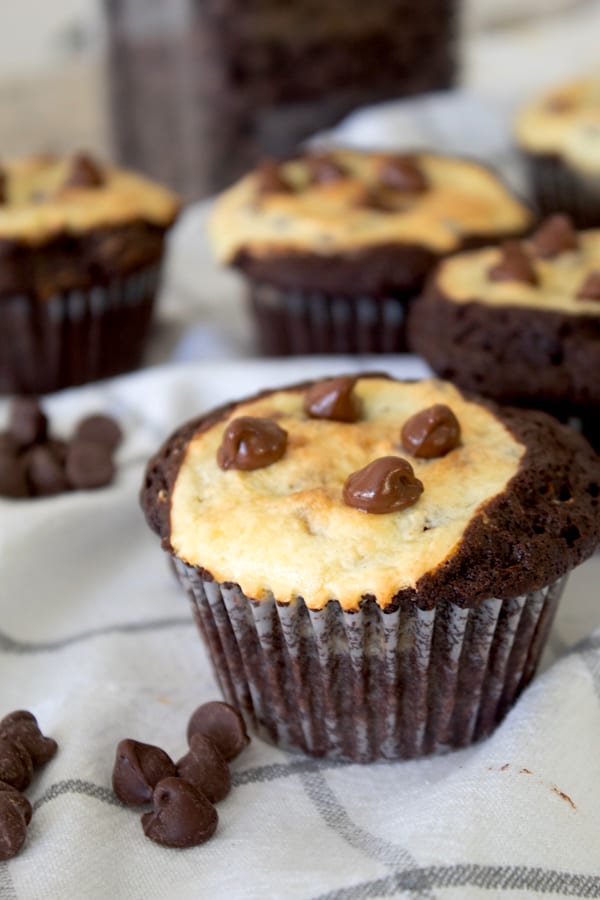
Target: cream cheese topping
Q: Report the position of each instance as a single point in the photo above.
(463, 198)
(464, 278)
(37, 205)
(565, 122)
(284, 530)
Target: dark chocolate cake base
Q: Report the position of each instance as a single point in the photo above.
(558, 188)
(371, 684)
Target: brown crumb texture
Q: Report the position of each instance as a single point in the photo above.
(514, 355)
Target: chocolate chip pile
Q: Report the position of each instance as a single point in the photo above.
(35, 464)
(23, 749)
(183, 794)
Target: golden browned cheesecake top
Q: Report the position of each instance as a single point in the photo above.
(41, 197)
(365, 502)
(565, 122)
(346, 200)
(558, 270)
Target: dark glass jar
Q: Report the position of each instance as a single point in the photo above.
(201, 89)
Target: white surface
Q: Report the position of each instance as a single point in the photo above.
(97, 639)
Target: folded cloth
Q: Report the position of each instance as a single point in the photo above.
(96, 638)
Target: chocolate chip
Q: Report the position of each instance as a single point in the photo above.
(590, 289)
(323, 169)
(205, 768)
(514, 265)
(432, 432)
(13, 478)
(333, 398)
(385, 485)
(554, 236)
(27, 423)
(45, 474)
(16, 766)
(23, 726)
(88, 465)
(20, 800)
(13, 827)
(223, 724)
(402, 173)
(270, 179)
(84, 172)
(250, 443)
(100, 429)
(137, 770)
(182, 816)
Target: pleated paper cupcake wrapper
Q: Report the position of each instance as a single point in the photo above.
(297, 322)
(370, 685)
(557, 188)
(77, 336)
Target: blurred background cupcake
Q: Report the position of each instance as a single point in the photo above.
(81, 245)
(520, 322)
(559, 135)
(336, 243)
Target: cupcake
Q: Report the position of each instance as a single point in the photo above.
(520, 322)
(373, 564)
(334, 245)
(80, 251)
(559, 135)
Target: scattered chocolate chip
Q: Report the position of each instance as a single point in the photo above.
(385, 485)
(13, 827)
(84, 172)
(27, 423)
(137, 770)
(223, 724)
(323, 169)
(554, 236)
(7, 791)
(590, 289)
(99, 429)
(270, 179)
(333, 398)
(205, 768)
(182, 816)
(432, 432)
(23, 726)
(13, 478)
(250, 443)
(402, 173)
(514, 265)
(88, 465)
(16, 766)
(45, 474)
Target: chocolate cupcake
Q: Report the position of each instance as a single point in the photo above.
(80, 252)
(559, 135)
(520, 323)
(335, 245)
(373, 564)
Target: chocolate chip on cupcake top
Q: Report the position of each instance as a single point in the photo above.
(372, 503)
(43, 196)
(564, 122)
(553, 272)
(345, 200)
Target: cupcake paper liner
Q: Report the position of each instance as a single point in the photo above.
(77, 336)
(296, 323)
(370, 684)
(557, 188)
